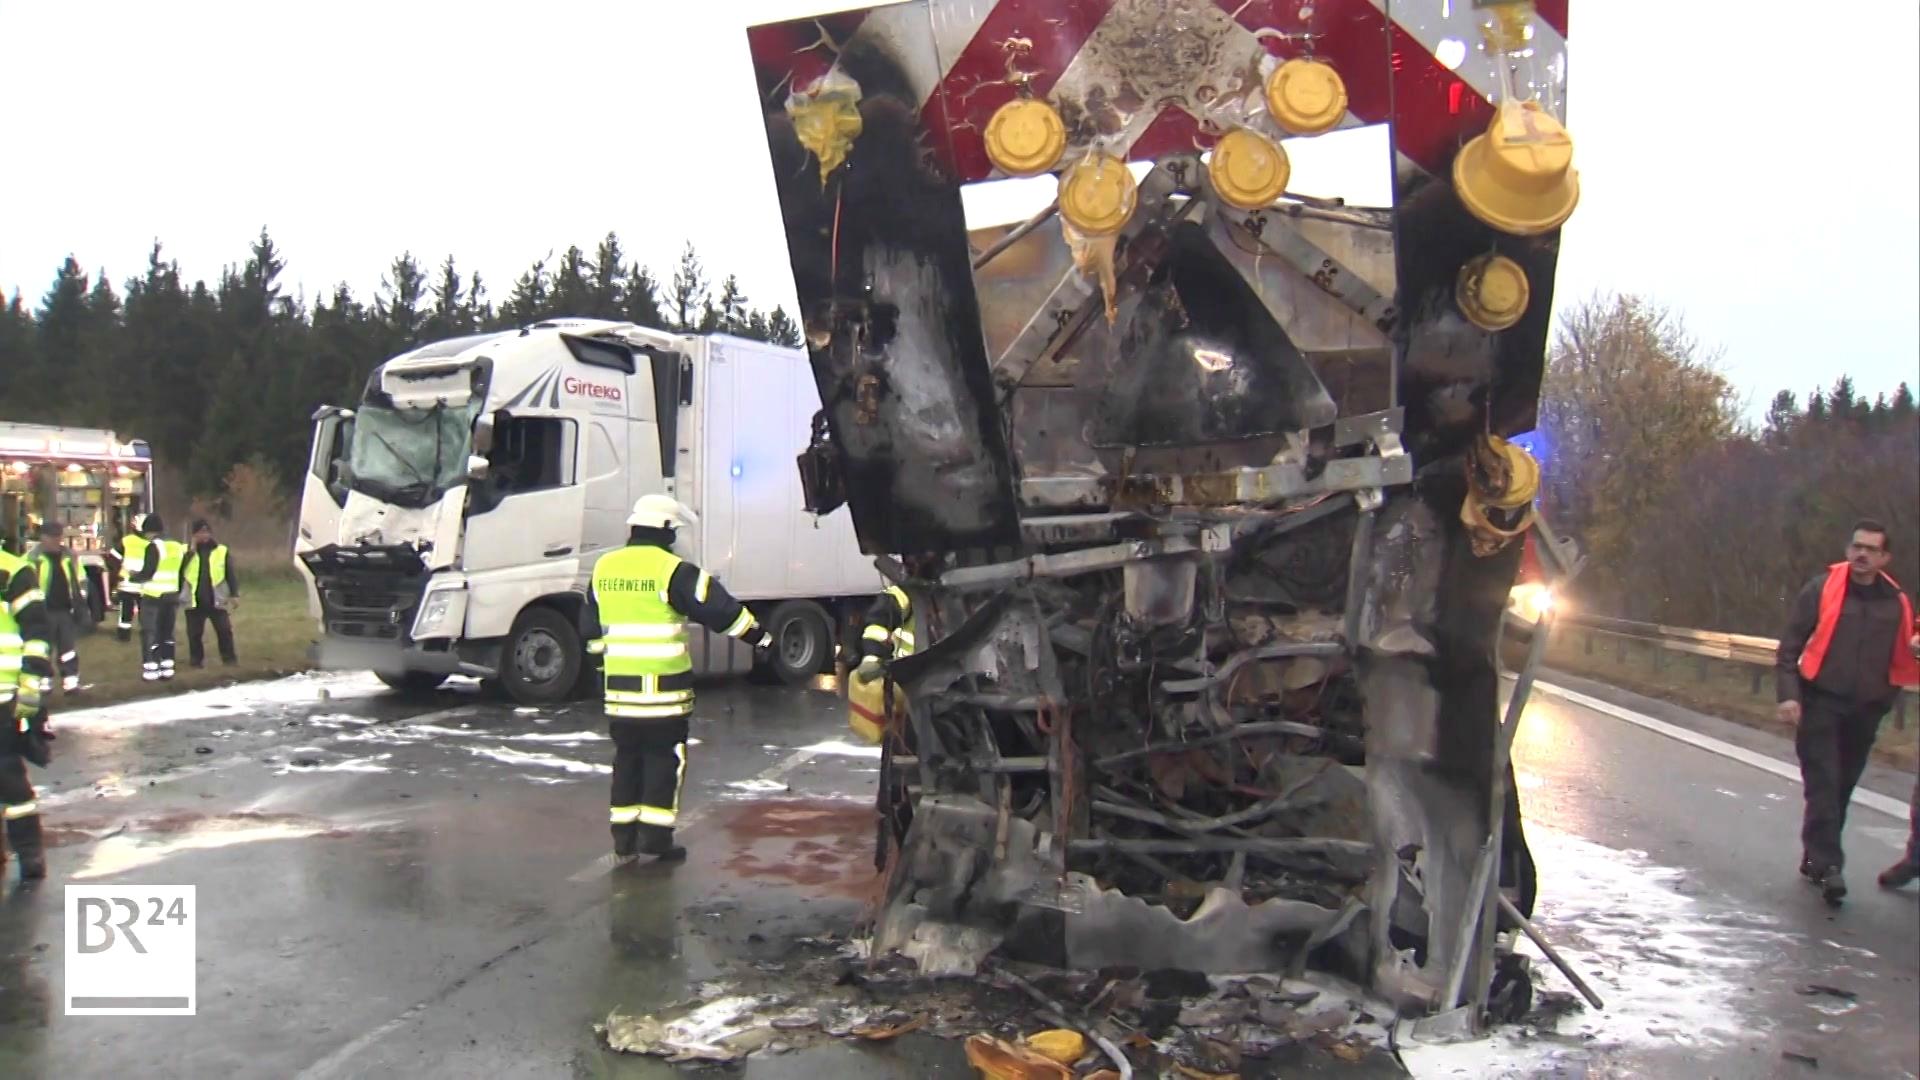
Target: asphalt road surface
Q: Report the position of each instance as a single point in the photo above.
(393, 887)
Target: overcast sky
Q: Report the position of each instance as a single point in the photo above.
(1766, 190)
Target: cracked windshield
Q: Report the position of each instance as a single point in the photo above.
(410, 454)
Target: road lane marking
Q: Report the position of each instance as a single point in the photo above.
(1872, 800)
(605, 864)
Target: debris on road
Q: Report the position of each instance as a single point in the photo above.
(1146, 1023)
(998, 1059)
(720, 1031)
(1818, 989)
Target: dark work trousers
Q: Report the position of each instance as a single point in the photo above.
(197, 620)
(1834, 741)
(156, 636)
(64, 637)
(649, 768)
(18, 809)
(15, 789)
(129, 605)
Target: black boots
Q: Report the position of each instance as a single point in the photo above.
(626, 839)
(657, 841)
(1833, 887)
(23, 836)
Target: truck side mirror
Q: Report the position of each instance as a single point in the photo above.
(483, 434)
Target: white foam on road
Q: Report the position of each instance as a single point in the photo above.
(372, 764)
(1872, 800)
(1670, 968)
(509, 756)
(227, 701)
(119, 854)
(843, 749)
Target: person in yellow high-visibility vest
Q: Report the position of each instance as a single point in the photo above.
(126, 557)
(26, 679)
(209, 591)
(888, 636)
(65, 588)
(159, 580)
(642, 598)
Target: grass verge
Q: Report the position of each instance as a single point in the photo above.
(1717, 687)
(271, 632)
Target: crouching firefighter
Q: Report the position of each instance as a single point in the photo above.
(26, 678)
(643, 595)
(888, 637)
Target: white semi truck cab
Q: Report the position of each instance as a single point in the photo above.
(450, 521)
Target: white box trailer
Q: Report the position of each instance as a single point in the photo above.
(450, 522)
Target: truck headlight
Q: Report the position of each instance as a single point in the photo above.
(441, 614)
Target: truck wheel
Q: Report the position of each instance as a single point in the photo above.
(541, 661)
(802, 642)
(413, 683)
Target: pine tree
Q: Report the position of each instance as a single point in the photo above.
(398, 307)
(528, 302)
(64, 322)
(95, 383)
(478, 311)
(643, 299)
(1816, 407)
(572, 295)
(1841, 401)
(781, 329)
(451, 316)
(1782, 416)
(1902, 406)
(687, 300)
(19, 353)
(728, 314)
(607, 290)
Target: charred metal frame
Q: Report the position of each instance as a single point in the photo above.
(1250, 678)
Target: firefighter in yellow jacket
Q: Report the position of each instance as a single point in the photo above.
(643, 596)
(26, 678)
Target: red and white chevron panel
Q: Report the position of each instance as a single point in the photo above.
(1140, 76)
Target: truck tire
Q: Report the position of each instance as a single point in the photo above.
(803, 642)
(413, 683)
(540, 663)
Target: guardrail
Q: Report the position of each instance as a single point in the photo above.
(1707, 645)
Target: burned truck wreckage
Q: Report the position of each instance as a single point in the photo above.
(1199, 488)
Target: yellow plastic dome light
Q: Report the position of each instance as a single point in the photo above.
(1026, 137)
(826, 120)
(1248, 169)
(1098, 195)
(1518, 177)
(1306, 97)
(1492, 292)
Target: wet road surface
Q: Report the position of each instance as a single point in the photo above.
(395, 887)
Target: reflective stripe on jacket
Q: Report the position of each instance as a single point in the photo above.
(649, 673)
(166, 574)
